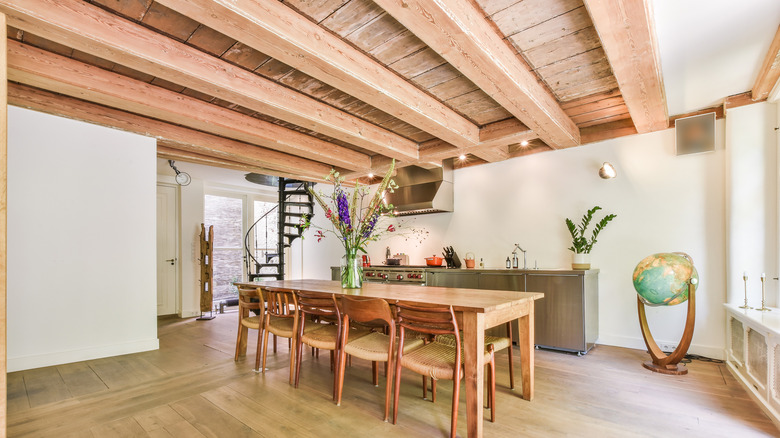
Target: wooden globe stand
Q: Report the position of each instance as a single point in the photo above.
(662, 363)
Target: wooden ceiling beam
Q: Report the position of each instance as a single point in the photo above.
(627, 33)
(93, 30)
(183, 138)
(492, 154)
(38, 68)
(275, 29)
(459, 32)
(170, 151)
(769, 74)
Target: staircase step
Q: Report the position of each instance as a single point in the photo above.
(263, 275)
(267, 265)
(296, 192)
(287, 224)
(299, 204)
(289, 213)
(292, 236)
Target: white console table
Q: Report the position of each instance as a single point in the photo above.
(753, 354)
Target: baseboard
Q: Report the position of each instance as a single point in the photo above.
(189, 314)
(62, 357)
(639, 344)
(751, 390)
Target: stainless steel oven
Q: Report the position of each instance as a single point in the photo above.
(394, 275)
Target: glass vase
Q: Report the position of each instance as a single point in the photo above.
(351, 270)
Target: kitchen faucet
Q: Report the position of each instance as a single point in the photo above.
(515, 253)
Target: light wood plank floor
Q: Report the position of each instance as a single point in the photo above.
(192, 388)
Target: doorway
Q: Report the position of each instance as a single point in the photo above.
(167, 249)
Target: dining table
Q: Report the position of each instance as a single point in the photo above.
(476, 310)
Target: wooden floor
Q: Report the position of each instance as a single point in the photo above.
(191, 388)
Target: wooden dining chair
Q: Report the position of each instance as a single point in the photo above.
(375, 346)
(281, 319)
(320, 328)
(499, 343)
(435, 359)
(250, 316)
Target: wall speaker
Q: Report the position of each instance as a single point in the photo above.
(695, 134)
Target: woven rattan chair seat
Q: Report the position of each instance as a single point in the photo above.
(435, 360)
(252, 322)
(374, 346)
(324, 336)
(498, 342)
(284, 326)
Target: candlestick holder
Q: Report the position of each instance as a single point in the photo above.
(745, 278)
(763, 308)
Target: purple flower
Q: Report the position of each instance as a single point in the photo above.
(343, 205)
(369, 228)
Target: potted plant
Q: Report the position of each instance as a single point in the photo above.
(581, 245)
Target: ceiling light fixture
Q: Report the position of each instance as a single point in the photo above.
(524, 143)
(607, 171)
(462, 158)
(370, 176)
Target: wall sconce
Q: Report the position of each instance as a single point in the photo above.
(607, 171)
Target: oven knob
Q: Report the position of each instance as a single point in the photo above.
(384, 276)
(400, 277)
(418, 276)
(409, 276)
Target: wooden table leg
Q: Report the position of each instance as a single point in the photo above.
(526, 341)
(473, 351)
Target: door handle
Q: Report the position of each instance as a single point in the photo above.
(172, 261)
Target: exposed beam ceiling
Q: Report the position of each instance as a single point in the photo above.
(460, 33)
(277, 30)
(769, 75)
(38, 68)
(183, 138)
(626, 30)
(92, 30)
(165, 151)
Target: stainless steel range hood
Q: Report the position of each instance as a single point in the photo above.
(423, 191)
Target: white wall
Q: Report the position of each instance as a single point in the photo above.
(752, 197)
(664, 203)
(81, 241)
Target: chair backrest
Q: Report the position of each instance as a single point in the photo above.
(319, 305)
(427, 318)
(367, 310)
(280, 302)
(245, 296)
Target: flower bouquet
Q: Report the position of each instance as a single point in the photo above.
(354, 223)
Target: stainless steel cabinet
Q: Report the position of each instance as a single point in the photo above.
(464, 279)
(567, 317)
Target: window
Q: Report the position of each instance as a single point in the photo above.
(226, 213)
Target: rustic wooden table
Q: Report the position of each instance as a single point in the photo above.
(479, 310)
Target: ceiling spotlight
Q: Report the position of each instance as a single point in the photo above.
(462, 157)
(524, 143)
(607, 171)
(370, 176)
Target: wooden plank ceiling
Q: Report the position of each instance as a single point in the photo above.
(299, 86)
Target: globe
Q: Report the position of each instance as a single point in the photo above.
(662, 279)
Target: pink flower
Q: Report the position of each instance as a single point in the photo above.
(329, 213)
(391, 228)
(319, 235)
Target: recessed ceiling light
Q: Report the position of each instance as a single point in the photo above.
(370, 175)
(462, 158)
(524, 143)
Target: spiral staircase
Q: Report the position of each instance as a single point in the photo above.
(264, 243)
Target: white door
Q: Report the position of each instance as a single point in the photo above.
(167, 254)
